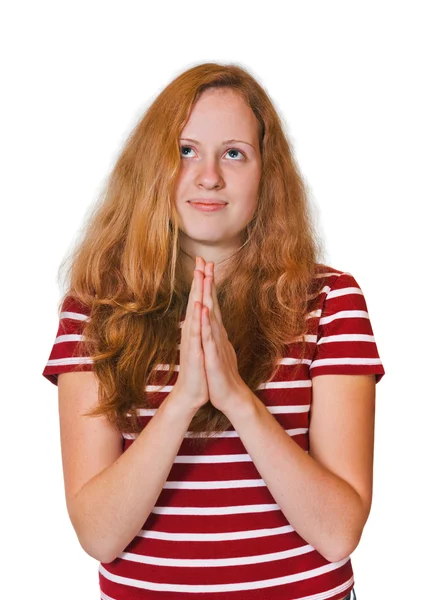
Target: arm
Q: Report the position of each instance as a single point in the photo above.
(316, 495)
(111, 507)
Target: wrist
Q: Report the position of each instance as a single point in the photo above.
(243, 405)
(177, 406)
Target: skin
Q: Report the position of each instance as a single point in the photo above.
(211, 169)
(325, 493)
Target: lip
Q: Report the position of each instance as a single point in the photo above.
(207, 201)
(206, 207)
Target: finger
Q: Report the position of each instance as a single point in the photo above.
(199, 281)
(207, 333)
(208, 295)
(194, 295)
(199, 268)
(208, 298)
(196, 326)
(212, 327)
(210, 341)
(196, 306)
(190, 310)
(216, 307)
(201, 264)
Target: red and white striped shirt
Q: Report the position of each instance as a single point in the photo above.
(215, 530)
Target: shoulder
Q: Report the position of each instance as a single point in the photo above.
(344, 337)
(73, 308)
(68, 351)
(328, 276)
(335, 283)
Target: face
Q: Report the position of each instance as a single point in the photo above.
(214, 168)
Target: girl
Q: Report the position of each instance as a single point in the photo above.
(216, 379)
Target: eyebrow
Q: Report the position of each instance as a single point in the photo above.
(224, 142)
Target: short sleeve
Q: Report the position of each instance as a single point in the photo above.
(345, 342)
(64, 355)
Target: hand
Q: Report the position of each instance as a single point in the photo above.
(225, 385)
(191, 388)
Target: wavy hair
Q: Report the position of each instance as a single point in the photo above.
(126, 268)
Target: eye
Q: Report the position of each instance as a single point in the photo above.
(236, 150)
(228, 151)
(186, 147)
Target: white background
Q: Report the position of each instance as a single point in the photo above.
(350, 79)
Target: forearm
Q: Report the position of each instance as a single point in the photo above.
(322, 507)
(111, 508)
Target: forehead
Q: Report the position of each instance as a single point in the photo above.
(222, 113)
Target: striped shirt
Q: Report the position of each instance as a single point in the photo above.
(215, 530)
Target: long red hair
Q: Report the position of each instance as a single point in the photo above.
(126, 268)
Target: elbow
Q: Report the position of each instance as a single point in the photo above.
(98, 549)
(347, 541)
(341, 550)
(106, 556)
(334, 557)
(99, 552)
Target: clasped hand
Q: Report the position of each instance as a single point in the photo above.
(225, 386)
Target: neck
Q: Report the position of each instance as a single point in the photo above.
(188, 262)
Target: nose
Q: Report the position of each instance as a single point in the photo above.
(209, 174)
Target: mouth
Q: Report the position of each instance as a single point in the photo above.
(207, 206)
(207, 202)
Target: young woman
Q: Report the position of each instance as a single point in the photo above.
(216, 379)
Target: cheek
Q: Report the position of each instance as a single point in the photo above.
(180, 187)
(250, 209)
(242, 212)
(249, 205)
(251, 192)
(249, 181)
